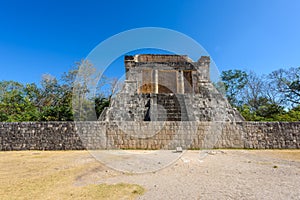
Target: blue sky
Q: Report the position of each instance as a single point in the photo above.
(49, 36)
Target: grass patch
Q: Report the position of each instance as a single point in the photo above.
(118, 191)
(283, 154)
(51, 175)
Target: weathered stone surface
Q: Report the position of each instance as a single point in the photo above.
(168, 88)
(148, 135)
(39, 136)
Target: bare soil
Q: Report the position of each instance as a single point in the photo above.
(222, 174)
(211, 174)
(53, 174)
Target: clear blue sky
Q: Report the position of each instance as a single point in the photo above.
(48, 36)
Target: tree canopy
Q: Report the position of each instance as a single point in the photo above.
(52, 100)
(272, 97)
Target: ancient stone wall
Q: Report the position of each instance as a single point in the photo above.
(192, 96)
(161, 58)
(148, 135)
(39, 136)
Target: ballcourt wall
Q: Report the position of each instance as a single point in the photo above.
(148, 135)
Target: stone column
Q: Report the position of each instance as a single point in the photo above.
(180, 83)
(155, 81)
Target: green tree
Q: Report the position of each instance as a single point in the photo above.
(56, 99)
(74, 94)
(292, 115)
(234, 83)
(288, 84)
(82, 81)
(100, 105)
(15, 105)
(259, 99)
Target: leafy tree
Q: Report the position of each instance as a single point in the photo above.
(263, 98)
(14, 104)
(55, 102)
(292, 115)
(100, 105)
(248, 114)
(270, 111)
(55, 99)
(234, 83)
(288, 83)
(84, 90)
(253, 93)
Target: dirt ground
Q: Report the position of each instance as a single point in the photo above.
(53, 174)
(210, 174)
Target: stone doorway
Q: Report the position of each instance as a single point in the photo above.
(166, 82)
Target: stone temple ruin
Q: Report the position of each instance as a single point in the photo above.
(168, 88)
(167, 101)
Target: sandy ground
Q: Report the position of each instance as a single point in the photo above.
(210, 174)
(51, 175)
(217, 174)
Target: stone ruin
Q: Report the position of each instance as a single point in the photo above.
(169, 88)
(167, 102)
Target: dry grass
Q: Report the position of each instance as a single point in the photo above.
(76, 175)
(284, 154)
(51, 175)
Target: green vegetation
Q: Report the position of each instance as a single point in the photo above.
(58, 175)
(273, 97)
(52, 100)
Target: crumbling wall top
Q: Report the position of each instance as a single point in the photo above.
(204, 59)
(159, 58)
